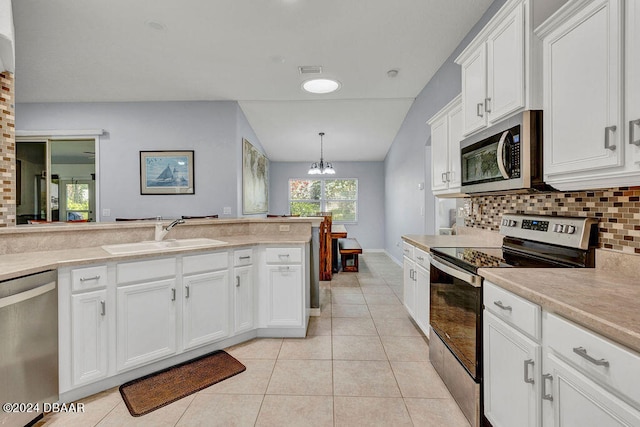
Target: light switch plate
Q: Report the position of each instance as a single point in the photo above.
(106, 212)
(226, 210)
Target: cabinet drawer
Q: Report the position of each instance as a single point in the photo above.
(407, 250)
(242, 257)
(145, 270)
(86, 278)
(284, 255)
(600, 359)
(205, 262)
(422, 258)
(513, 309)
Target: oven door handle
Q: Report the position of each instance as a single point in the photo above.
(500, 155)
(456, 272)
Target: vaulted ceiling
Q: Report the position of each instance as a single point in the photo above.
(247, 51)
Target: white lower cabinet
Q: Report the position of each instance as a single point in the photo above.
(575, 378)
(243, 298)
(572, 399)
(205, 315)
(120, 316)
(146, 322)
(417, 278)
(511, 368)
(284, 293)
(89, 336)
(423, 279)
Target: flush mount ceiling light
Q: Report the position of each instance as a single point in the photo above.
(321, 168)
(321, 85)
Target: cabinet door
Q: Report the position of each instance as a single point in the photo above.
(505, 67)
(454, 138)
(243, 298)
(206, 308)
(409, 294)
(474, 91)
(146, 319)
(422, 299)
(439, 153)
(285, 305)
(571, 399)
(89, 336)
(511, 375)
(632, 65)
(583, 91)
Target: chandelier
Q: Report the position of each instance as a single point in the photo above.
(322, 167)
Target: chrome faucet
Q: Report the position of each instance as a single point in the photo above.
(162, 231)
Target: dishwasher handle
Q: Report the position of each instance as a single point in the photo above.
(26, 295)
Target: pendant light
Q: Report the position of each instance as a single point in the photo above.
(321, 168)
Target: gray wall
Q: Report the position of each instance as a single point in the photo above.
(408, 163)
(214, 130)
(370, 227)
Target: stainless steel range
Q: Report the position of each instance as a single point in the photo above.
(456, 292)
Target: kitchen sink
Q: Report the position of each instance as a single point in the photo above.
(163, 245)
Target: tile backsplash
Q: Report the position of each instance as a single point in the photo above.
(7, 151)
(618, 210)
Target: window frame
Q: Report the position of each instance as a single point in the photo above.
(323, 199)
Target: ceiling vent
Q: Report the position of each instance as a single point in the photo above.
(310, 69)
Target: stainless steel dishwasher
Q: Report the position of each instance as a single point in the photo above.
(28, 346)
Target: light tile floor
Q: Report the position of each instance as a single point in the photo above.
(363, 363)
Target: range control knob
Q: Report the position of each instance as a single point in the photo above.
(558, 228)
(570, 229)
(512, 222)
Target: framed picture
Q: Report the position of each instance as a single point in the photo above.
(166, 172)
(255, 180)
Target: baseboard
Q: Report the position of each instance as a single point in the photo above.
(393, 258)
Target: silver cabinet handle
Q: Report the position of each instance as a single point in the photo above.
(607, 132)
(582, 352)
(545, 395)
(487, 108)
(480, 109)
(527, 363)
(173, 294)
(502, 306)
(411, 271)
(237, 281)
(632, 132)
(420, 258)
(103, 308)
(186, 290)
(284, 255)
(245, 257)
(85, 279)
(444, 177)
(448, 174)
(287, 268)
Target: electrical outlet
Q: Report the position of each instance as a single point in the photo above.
(106, 212)
(226, 210)
(284, 227)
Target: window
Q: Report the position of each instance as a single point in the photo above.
(307, 197)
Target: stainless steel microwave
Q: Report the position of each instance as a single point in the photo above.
(504, 157)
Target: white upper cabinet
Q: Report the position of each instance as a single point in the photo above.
(583, 88)
(591, 80)
(497, 77)
(446, 133)
(632, 76)
(7, 45)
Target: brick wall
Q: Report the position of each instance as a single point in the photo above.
(7, 151)
(618, 210)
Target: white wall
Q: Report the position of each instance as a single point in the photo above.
(370, 227)
(406, 164)
(214, 130)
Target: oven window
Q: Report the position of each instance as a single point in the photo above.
(455, 309)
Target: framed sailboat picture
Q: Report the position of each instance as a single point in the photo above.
(166, 172)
